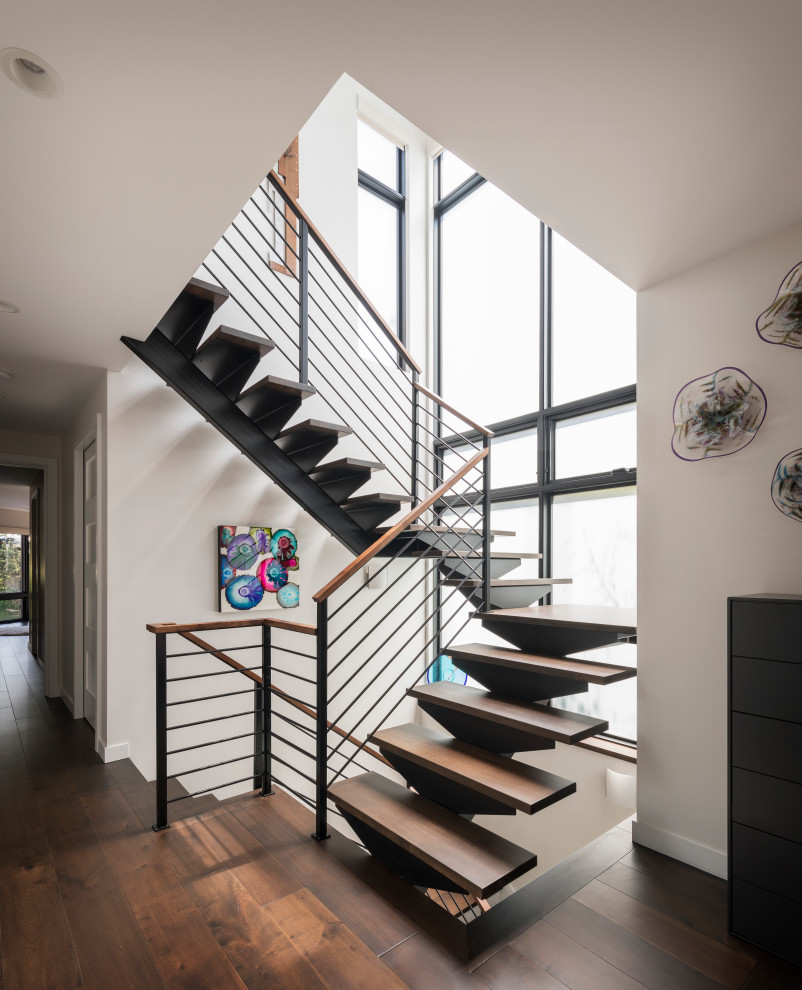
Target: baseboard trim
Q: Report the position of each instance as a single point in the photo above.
(110, 754)
(68, 700)
(678, 847)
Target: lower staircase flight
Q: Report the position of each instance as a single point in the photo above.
(424, 833)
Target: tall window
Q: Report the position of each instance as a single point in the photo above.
(381, 225)
(537, 341)
(13, 577)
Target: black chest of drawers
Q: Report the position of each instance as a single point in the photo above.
(765, 772)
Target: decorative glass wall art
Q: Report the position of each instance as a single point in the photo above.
(781, 323)
(257, 568)
(786, 486)
(443, 669)
(717, 415)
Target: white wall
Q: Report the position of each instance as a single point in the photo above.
(559, 830)
(30, 444)
(172, 480)
(706, 530)
(14, 520)
(328, 188)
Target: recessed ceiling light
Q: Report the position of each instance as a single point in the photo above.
(31, 73)
(8, 307)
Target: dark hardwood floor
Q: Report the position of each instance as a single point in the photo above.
(238, 896)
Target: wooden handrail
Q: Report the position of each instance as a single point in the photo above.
(234, 664)
(442, 402)
(391, 534)
(349, 279)
(182, 627)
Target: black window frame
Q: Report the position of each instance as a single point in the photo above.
(23, 595)
(398, 200)
(544, 419)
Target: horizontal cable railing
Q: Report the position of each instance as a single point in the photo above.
(286, 283)
(261, 743)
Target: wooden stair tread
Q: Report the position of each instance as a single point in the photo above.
(575, 670)
(514, 784)
(377, 497)
(317, 426)
(276, 384)
(230, 335)
(498, 554)
(460, 530)
(473, 857)
(212, 293)
(602, 617)
(538, 720)
(505, 582)
(347, 464)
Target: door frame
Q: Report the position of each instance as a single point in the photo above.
(94, 434)
(52, 653)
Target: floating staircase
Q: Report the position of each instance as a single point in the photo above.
(423, 831)
(213, 373)
(471, 771)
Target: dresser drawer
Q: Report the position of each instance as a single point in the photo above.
(766, 687)
(766, 803)
(767, 919)
(768, 630)
(767, 745)
(767, 861)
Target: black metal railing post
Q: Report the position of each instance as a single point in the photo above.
(415, 414)
(258, 735)
(321, 727)
(303, 304)
(161, 733)
(487, 536)
(267, 711)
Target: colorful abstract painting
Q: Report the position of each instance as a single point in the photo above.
(781, 323)
(717, 414)
(257, 568)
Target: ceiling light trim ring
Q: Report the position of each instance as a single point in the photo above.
(31, 73)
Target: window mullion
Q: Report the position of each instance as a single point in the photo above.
(545, 430)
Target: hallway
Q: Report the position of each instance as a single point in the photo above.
(238, 897)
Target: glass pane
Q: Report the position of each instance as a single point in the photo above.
(593, 537)
(618, 703)
(453, 172)
(377, 255)
(594, 543)
(10, 563)
(520, 517)
(513, 459)
(490, 307)
(594, 326)
(11, 610)
(376, 155)
(596, 443)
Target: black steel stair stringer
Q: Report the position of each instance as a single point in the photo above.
(177, 371)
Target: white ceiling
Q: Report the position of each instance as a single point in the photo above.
(652, 135)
